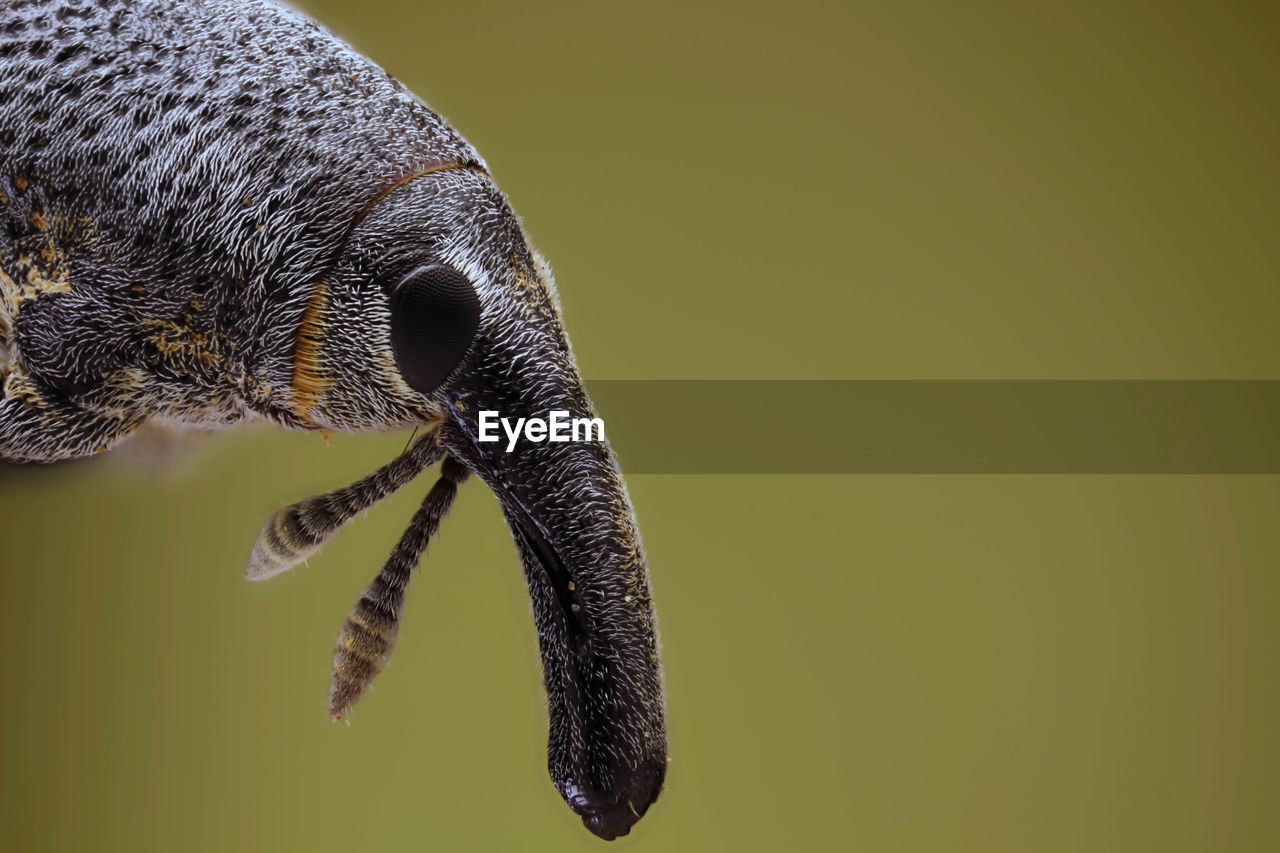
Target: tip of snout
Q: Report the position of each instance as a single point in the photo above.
(610, 822)
(612, 816)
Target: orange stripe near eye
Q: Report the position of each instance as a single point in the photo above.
(436, 167)
(310, 379)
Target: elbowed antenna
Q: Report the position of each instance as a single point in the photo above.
(297, 531)
(371, 628)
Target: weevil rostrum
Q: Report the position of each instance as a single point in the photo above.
(214, 211)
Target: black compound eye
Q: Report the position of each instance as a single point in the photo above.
(434, 316)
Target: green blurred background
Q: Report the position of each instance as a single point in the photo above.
(805, 190)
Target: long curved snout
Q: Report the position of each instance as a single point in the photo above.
(574, 528)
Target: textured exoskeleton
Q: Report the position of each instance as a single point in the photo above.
(214, 211)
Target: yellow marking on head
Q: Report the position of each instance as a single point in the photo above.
(38, 282)
(8, 296)
(310, 380)
(13, 292)
(18, 386)
(28, 276)
(20, 182)
(127, 382)
(173, 339)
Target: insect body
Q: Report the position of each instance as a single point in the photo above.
(213, 212)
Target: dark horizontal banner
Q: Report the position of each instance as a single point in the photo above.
(942, 427)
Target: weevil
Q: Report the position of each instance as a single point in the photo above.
(215, 211)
